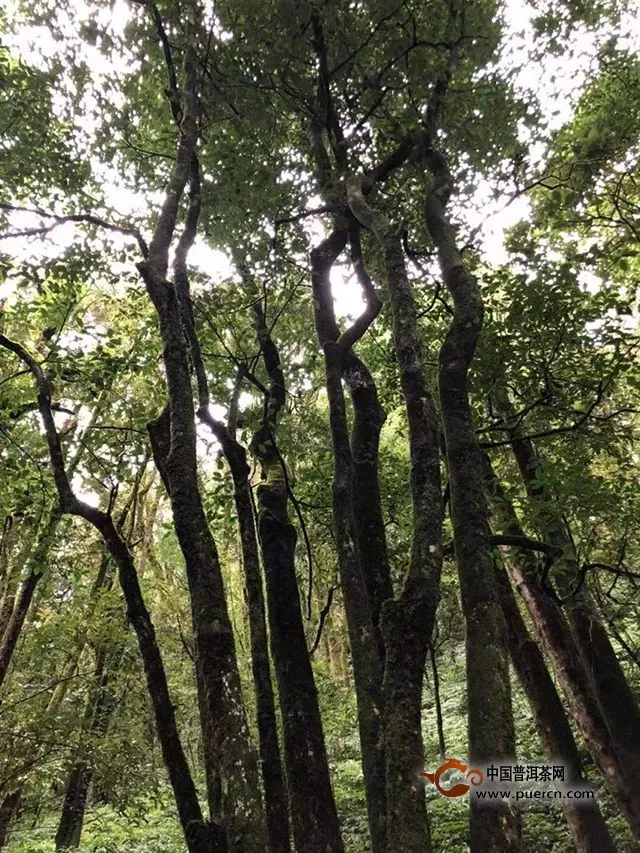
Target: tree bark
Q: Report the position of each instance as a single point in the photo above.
(363, 572)
(8, 809)
(200, 838)
(368, 418)
(491, 729)
(557, 640)
(227, 752)
(73, 807)
(275, 791)
(313, 811)
(362, 639)
(618, 705)
(407, 622)
(585, 821)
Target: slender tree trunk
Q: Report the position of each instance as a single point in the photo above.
(560, 646)
(588, 828)
(197, 833)
(220, 695)
(61, 688)
(25, 595)
(8, 809)
(368, 418)
(491, 730)
(438, 701)
(313, 811)
(214, 639)
(73, 808)
(99, 709)
(224, 723)
(35, 562)
(362, 637)
(227, 749)
(275, 792)
(200, 838)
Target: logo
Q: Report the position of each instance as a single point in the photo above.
(474, 775)
(521, 782)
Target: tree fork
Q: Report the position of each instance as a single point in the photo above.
(407, 622)
(362, 638)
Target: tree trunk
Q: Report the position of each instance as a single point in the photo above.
(73, 808)
(437, 701)
(8, 810)
(25, 595)
(199, 836)
(362, 637)
(275, 792)
(407, 622)
(618, 705)
(227, 748)
(560, 646)
(220, 693)
(313, 811)
(588, 828)
(491, 730)
(368, 418)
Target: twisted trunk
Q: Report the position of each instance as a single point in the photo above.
(407, 622)
(362, 638)
(491, 729)
(368, 418)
